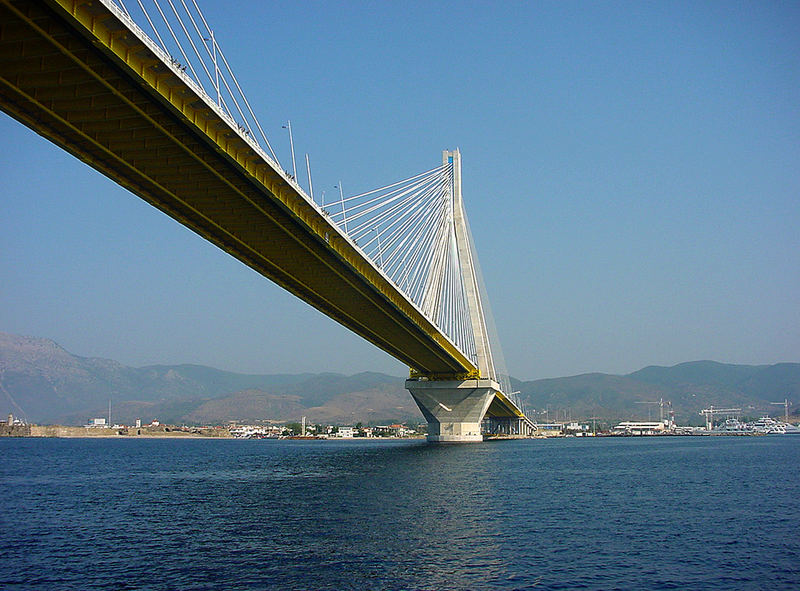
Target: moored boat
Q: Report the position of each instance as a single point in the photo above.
(770, 426)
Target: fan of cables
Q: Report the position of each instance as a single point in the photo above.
(407, 229)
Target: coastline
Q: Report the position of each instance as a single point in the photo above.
(62, 431)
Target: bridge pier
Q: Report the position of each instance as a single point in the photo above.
(512, 427)
(454, 409)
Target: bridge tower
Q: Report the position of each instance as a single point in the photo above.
(85, 76)
(455, 406)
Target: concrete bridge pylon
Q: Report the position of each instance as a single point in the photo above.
(454, 409)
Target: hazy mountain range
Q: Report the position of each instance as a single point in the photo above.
(44, 383)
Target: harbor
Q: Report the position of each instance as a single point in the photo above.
(731, 424)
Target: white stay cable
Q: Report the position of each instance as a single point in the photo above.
(207, 67)
(186, 60)
(413, 178)
(412, 255)
(407, 229)
(397, 219)
(152, 26)
(189, 37)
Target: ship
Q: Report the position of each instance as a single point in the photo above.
(732, 425)
(770, 426)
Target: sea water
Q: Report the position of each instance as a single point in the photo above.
(603, 513)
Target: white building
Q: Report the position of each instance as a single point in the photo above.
(549, 429)
(640, 428)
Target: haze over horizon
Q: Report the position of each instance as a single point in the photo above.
(631, 175)
(7, 339)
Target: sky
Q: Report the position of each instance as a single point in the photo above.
(631, 173)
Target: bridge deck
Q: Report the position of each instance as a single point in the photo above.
(74, 73)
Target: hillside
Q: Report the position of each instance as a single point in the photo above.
(690, 387)
(42, 382)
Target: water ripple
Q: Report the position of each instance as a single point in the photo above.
(606, 514)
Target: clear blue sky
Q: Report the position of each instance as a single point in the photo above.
(631, 174)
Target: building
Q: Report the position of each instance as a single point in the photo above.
(549, 429)
(577, 429)
(640, 428)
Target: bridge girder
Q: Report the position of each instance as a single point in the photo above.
(70, 71)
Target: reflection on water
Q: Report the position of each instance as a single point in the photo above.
(450, 499)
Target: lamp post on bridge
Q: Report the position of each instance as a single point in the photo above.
(291, 147)
(380, 254)
(341, 197)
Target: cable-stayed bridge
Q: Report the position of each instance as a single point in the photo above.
(395, 265)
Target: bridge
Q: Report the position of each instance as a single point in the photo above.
(396, 265)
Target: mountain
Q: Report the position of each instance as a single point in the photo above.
(41, 381)
(689, 387)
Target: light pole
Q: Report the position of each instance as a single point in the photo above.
(310, 185)
(291, 146)
(341, 196)
(380, 254)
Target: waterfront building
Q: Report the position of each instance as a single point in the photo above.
(640, 428)
(549, 429)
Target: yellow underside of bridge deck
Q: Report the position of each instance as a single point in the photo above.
(502, 407)
(72, 72)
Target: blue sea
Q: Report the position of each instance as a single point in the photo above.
(606, 513)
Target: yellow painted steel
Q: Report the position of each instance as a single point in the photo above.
(502, 406)
(74, 73)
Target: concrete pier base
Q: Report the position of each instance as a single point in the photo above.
(454, 409)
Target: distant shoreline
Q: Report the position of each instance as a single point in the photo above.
(160, 432)
(66, 432)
